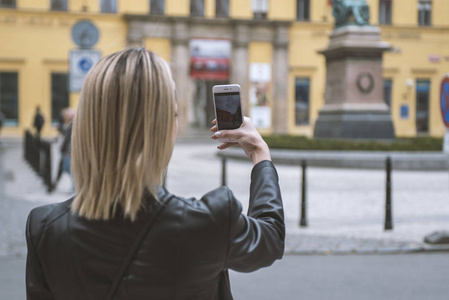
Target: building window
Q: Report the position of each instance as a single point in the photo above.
(58, 4)
(9, 97)
(385, 12)
(425, 12)
(388, 84)
(109, 6)
(422, 105)
(303, 10)
(302, 100)
(156, 7)
(8, 3)
(260, 9)
(197, 8)
(222, 8)
(59, 95)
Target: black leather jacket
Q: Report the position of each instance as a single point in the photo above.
(185, 255)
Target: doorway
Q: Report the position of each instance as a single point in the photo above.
(203, 105)
(422, 106)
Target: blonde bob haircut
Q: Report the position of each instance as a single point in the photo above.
(123, 131)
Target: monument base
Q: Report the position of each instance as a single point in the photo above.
(354, 106)
(354, 125)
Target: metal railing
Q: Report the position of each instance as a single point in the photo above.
(388, 223)
(37, 154)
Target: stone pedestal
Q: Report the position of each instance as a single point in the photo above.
(354, 103)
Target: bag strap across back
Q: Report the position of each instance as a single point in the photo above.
(136, 245)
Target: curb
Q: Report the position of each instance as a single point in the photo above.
(304, 244)
(366, 252)
(318, 252)
(418, 161)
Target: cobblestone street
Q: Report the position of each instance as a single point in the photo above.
(345, 206)
(345, 216)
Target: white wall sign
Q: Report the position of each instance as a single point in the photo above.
(81, 61)
(260, 94)
(210, 48)
(260, 116)
(260, 72)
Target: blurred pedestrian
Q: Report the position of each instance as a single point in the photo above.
(2, 118)
(39, 121)
(66, 155)
(123, 234)
(62, 122)
(65, 130)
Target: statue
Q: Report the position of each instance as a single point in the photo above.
(350, 12)
(354, 106)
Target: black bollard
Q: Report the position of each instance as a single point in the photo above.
(388, 208)
(46, 165)
(26, 147)
(223, 171)
(303, 220)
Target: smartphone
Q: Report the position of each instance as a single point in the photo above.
(228, 108)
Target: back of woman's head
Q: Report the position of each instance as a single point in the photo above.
(122, 133)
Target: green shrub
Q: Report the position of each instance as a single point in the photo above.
(399, 144)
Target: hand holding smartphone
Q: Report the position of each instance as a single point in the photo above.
(228, 108)
(246, 137)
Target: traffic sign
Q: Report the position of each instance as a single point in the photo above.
(85, 34)
(444, 99)
(81, 61)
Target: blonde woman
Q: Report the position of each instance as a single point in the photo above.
(123, 236)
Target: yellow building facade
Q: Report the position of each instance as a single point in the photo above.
(273, 55)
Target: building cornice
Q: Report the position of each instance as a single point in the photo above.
(55, 61)
(12, 60)
(424, 71)
(205, 21)
(181, 29)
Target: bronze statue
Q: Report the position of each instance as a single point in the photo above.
(350, 12)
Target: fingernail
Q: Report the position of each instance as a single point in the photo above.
(217, 134)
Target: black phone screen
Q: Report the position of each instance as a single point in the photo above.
(228, 110)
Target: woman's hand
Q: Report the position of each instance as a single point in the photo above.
(246, 137)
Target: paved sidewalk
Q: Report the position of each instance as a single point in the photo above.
(345, 206)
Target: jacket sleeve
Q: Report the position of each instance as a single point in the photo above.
(257, 239)
(36, 284)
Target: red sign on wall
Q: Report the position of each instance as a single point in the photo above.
(209, 59)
